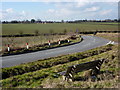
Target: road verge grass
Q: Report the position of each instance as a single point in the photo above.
(44, 46)
(38, 78)
(46, 63)
(111, 36)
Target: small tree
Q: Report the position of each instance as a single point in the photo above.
(65, 31)
(36, 32)
(51, 32)
(21, 33)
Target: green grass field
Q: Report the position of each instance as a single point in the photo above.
(57, 27)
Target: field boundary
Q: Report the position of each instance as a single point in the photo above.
(85, 32)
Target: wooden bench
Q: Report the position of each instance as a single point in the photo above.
(71, 70)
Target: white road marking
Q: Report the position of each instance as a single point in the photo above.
(109, 42)
(112, 42)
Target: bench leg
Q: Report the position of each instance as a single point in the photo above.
(95, 71)
(70, 77)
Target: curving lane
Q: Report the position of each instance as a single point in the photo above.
(89, 42)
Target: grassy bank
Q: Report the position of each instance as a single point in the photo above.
(45, 63)
(72, 40)
(48, 77)
(20, 42)
(111, 36)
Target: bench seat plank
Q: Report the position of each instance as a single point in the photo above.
(71, 70)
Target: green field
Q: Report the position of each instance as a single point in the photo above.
(57, 27)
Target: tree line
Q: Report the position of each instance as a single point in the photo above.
(62, 21)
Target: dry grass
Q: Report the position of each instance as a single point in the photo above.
(108, 78)
(20, 42)
(110, 36)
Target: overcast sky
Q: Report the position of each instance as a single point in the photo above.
(58, 10)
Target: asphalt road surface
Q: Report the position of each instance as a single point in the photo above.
(89, 42)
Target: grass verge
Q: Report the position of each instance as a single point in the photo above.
(46, 63)
(48, 77)
(44, 46)
(111, 36)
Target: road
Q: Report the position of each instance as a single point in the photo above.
(89, 42)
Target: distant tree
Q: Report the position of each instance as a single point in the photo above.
(39, 21)
(62, 21)
(115, 20)
(3, 21)
(119, 20)
(27, 21)
(32, 20)
(15, 21)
